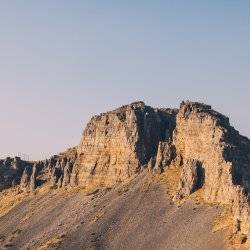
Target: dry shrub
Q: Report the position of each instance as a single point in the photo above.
(51, 244)
(223, 220)
(170, 178)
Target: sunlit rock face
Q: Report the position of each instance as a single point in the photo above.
(117, 144)
(199, 135)
(205, 136)
(209, 152)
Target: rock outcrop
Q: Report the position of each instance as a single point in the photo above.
(165, 155)
(25, 179)
(210, 153)
(116, 145)
(55, 171)
(205, 136)
(191, 179)
(11, 171)
(33, 178)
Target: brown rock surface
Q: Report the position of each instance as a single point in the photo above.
(212, 155)
(25, 179)
(115, 145)
(28, 175)
(191, 179)
(205, 135)
(11, 172)
(165, 155)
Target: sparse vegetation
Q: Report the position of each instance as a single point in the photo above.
(98, 216)
(95, 191)
(10, 198)
(224, 219)
(122, 191)
(170, 178)
(51, 244)
(8, 245)
(90, 248)
(197, 197)
(2, 238)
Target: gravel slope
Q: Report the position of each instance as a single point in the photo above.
(137, 215)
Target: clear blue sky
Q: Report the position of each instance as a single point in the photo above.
(63, 61)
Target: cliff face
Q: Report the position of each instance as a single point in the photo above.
(11, 170)
(56, 171)
(209, 152)
(206, 136)
(200, 135)
(223, 168)
(117, 144)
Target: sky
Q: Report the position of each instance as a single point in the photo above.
(62, 62)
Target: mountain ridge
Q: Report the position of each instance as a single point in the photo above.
(212, 158)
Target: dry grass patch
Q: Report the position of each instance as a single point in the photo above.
(51, 244)
(197, 197)
(7, 242)
(10, 198)
(238, 242)
(91, 188)
(170, 178)
(224, 220)
(98, 216)
(35, 205)
(90, 248)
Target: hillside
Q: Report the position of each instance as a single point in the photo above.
(140, 178)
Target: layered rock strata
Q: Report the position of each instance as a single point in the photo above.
(205, 136)
(115, 146)
(210, 153)
(55, 171)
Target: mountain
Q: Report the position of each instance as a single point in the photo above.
(140, 178)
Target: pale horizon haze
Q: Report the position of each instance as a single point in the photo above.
(65, 61)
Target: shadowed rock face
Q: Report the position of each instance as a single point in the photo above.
(117, 145)
(11, 170)
(28, 175)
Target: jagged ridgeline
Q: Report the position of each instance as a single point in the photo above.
(115, 146)
(28, 175)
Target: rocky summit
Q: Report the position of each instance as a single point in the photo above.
(140, 178)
